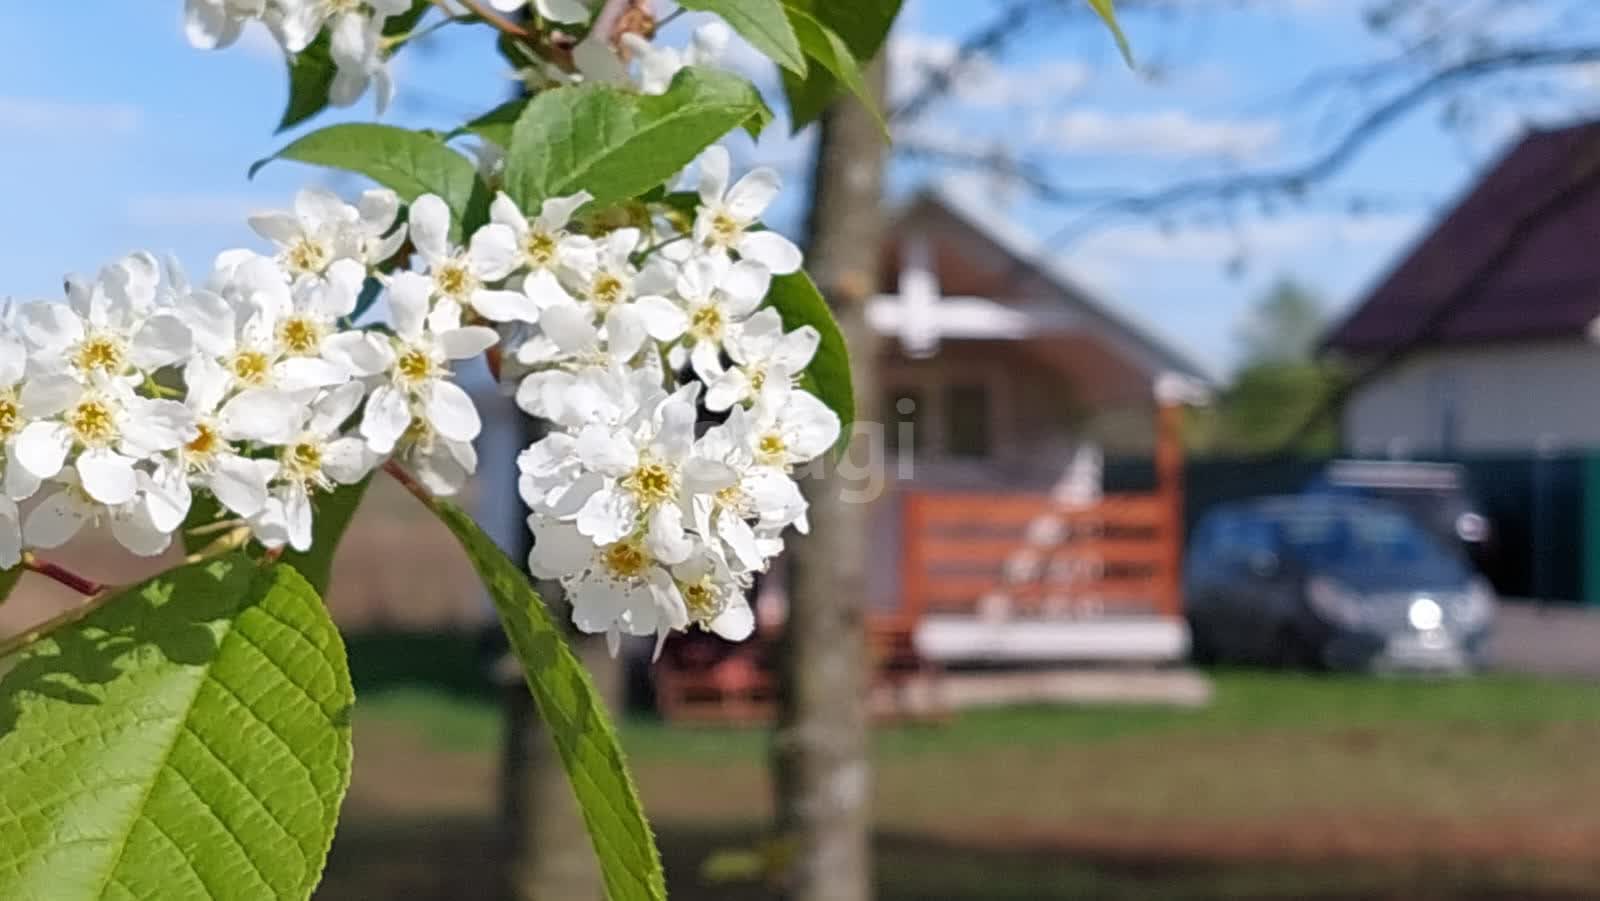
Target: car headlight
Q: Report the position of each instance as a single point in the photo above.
(1335, 602)
(1472, 528)
(1475, 606)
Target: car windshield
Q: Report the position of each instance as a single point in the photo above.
(1368, 538)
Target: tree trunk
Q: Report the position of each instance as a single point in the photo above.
(821, 771)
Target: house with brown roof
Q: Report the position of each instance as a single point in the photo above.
(1485, 329)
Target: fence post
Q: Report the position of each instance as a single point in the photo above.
(1591, 528)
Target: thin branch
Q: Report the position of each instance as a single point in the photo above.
(409, 482)
(1296, 180)
(498, 22)
(61, 574)
(1012, 19)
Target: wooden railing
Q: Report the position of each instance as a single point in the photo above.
(968, 554)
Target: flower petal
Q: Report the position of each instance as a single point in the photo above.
(451, 412)
(347, 460)
(466, 343)
(505, 306)
(261, 414)
(663, 319)
(494, 253)
(240, 484)
(408, 303)
(41, 448)
(771, 250)
(55, 521)
(752, 194)
(430, 227)
(107, 476)
(714, 166)
(386, 418)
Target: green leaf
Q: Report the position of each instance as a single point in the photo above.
(830, 51)
(763, 24)
(334, 511)
(188, 739)
(863, 25)
(410, 163)
(495, 125)
(617, 144)
(311, 71)
(584, 737)
(798, 301)
(1107, 10)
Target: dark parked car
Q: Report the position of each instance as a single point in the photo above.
(1437, 495)
(1316, 581)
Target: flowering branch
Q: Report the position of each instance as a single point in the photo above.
(399, 474)
(490, 17)
(61, 574)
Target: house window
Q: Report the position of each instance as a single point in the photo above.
(967, 421)
(907, 419)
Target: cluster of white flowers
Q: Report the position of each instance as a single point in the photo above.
(672, 394)
(355, 35)
(650, 523)
(118, 405)
(360, 49)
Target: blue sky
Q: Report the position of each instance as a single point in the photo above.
(119, 136)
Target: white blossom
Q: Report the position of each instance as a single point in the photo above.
(214, 24)
(323, 228)
(767, 362)
(464, 276)
(417, 380)
(727, 214)
(317, 459)
(615, 589)
(658, 63)
(545, 242)
(564, 11)
(111, 327)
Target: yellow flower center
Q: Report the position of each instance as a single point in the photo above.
(733, 500)
(101, 352)
(725, 230)
(308, 256)
(771, 448)
(455, 280)
(706, 323)
(10, 413)
(625, 559)
(701, 599)
(205, 443)
(302, 462)
(758, 378)
(607, 289)
(93, 422)
(414, 365)
(300, 335)
(540, 248)
(651, 483)
(252, 367)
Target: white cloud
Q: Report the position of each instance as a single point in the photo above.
(194, 210)
(978, 82)
(36, 115)
(1168, 133)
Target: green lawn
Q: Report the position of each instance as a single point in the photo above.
(1468, 788)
